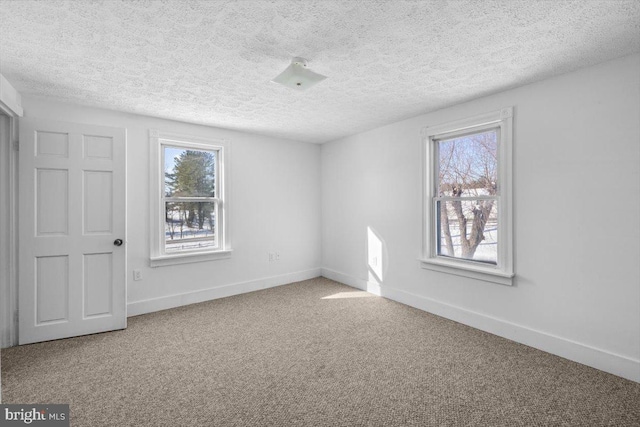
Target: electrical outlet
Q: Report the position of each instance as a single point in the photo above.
(137, 275)
(274, 256)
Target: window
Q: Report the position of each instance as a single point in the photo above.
(188, 197)
(468, 203)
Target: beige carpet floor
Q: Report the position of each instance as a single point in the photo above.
(313, 353)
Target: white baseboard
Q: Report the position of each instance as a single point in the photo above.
(596, 358)
(365, 285)
(156, 304)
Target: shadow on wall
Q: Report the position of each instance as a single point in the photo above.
(376, 261)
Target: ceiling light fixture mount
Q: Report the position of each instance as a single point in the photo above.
(297, 76)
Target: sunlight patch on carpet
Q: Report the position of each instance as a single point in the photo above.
(356, 294)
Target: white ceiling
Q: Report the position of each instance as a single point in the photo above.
(211, 62)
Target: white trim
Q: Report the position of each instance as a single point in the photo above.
(616, 364)
(468, 269)
(15, 221)
(504, 271)
(479, 120)
(366, 285)
(188, 257)
(6, 302)
(157, 139)
(156, 304)
(10, 338)
(10, 99)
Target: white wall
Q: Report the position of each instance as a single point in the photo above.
(577, 204)
(274, 204)
(577, 216)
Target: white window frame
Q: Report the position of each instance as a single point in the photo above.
(503, 271)
(158, 256)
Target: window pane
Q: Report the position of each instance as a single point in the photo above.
(189, 173)
(468, 229)
(190, 226)
(468, 165)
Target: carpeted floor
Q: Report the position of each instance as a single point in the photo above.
(314, 353)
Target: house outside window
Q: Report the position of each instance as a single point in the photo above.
(189, 199)
(468, 197)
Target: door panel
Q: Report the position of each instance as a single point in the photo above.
(98, 284)
(98, 199)
(52, 202)
(52, 289)
(52, 144)
(98, 147)
(72, 208)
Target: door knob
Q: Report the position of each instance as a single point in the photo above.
(117, 242)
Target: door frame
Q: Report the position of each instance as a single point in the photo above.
(9, 293)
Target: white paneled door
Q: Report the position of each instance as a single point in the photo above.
(72, 230)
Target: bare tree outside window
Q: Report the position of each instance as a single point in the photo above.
(467, 196)
(468, 208)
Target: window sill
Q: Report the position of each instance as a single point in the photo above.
(487, 274)
(186, 258)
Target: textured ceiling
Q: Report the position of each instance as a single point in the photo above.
(211, 62)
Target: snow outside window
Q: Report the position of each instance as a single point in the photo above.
(188, 196)
(467, 203)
